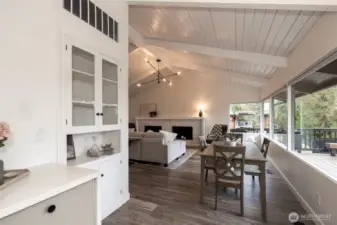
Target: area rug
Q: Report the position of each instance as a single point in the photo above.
(182, 159)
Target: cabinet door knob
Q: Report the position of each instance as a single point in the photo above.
(102, 175)
(101, 114)
(51, 208)
(97, 114)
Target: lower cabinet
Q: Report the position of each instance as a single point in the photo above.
(75, 206)
(111, 186)
(110, 182)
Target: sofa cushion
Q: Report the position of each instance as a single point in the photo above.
(136, 134)
(152, 135)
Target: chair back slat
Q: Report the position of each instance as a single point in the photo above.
(229, 161)
(265, 147)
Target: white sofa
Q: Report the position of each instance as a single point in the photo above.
(150, 148)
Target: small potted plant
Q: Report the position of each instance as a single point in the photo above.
(4, 133)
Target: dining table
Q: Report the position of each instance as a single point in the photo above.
(253, 156)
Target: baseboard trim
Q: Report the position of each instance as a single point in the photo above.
(299, 197)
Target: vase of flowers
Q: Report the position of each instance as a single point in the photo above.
(4, 135)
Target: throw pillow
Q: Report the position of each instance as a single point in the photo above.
(168, 137)
(237, 141)
(132, 129)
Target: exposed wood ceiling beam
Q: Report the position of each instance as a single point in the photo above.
(311, 5)
(235, 77)
(135, 37)
(138, 40)
(132, 48)
(257, 58)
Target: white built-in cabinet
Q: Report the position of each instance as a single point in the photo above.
(92, 90)
(91, 96)
(111, 190)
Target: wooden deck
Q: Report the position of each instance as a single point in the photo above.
(161, 196)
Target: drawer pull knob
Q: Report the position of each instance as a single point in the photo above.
(51, 209)
(102, 175)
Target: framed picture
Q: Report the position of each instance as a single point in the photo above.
(71, 154)
(146, 108)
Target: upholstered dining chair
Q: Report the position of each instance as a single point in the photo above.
(229, 164)
(254, 170)
(209, 163)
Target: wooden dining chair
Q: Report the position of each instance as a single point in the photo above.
(209, 163)
(255, 170)
(229, 164)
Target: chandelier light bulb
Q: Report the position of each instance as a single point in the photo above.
(164, 79)
(139, 85)
(170, 83)
(179, 73)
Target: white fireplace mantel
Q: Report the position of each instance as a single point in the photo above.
(198, 124)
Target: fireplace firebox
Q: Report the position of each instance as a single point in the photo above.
(184, 133)
(152, 128)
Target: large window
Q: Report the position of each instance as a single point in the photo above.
(280, 117)
(245, 117)
(316, 119)
(266, 123)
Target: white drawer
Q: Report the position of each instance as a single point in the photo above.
(75, 206)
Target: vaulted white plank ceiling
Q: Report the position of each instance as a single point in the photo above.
(247, 43)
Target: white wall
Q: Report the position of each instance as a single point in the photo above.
(307, 182)
(192, 89)
(30, 76)
(320, 41)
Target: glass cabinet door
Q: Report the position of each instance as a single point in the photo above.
(83, 88)
(110, 93)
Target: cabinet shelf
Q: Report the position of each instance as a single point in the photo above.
(93, 89)
(84, 104)
(110, 105)
(82, 73)
(110, 81)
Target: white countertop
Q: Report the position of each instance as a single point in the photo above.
(43, 182)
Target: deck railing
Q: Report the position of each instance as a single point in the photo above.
(305, 139)
(315, 139)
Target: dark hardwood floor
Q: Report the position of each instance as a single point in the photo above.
(171, 197)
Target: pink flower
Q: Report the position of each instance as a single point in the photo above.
(4, 130)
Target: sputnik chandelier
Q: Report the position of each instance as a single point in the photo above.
(159, 76)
